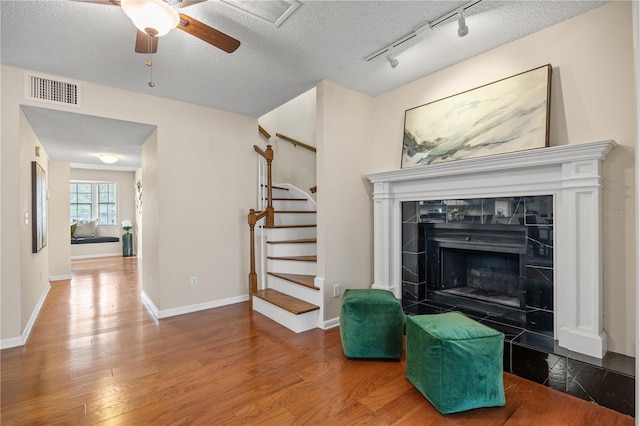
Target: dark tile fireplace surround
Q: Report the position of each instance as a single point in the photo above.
(492, 259)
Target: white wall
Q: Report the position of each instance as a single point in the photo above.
(345, 208)
(202, 197)
(295, 119)
(593, 98)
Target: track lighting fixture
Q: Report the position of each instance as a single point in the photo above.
(418, 31)
(463, 30)
(392, 60)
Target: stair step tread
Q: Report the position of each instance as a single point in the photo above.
(295, 211)
(303, 280)
(276, 187)
(300, 241)
(313, 258)
(294, 226)
(289, 199)
(286, 302)
(289, 211)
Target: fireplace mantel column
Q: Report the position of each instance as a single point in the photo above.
(386, 273)
(578, 268)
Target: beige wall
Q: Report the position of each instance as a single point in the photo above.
(60, 246)
(150, 221)
(202, 196)
(295, 119)
(34, 267)
(345, 208)
(593, 98)
(10, 323)
(137, 231)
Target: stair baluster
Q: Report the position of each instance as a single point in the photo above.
(253, 218)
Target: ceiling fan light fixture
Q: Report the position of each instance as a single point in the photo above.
(108, 158)
(154, 17)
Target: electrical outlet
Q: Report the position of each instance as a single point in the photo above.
(194, 281)
(336, 290)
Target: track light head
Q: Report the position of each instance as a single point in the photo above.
(392, 60)
(463, 30)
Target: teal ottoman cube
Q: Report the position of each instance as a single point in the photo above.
(371, 324)
(455, 362)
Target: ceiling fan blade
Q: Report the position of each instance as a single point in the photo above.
(183, 3)
(105, 2)
(145, 43)
(208, 34)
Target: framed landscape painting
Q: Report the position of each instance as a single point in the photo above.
(508, 115)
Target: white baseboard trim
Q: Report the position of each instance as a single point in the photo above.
(166, 313)
(332, 323)
(149, 303)
(59, 277)
(14, 342)
(95, 256)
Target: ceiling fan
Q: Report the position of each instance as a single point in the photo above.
(155, 18)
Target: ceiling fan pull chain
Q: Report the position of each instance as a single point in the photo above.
(150, 64)
(151, 83)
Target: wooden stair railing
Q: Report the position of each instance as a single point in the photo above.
(296, 142)
(253, 217)
(268, 155)
(263, 132)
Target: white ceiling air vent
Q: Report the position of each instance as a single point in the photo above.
(274, 11)
(53, 90)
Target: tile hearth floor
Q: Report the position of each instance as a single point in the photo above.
(609, 382)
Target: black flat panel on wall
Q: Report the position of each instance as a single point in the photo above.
(413, 265)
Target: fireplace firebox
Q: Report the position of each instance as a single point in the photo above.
(493, 256)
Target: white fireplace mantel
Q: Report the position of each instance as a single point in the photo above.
(571, 173)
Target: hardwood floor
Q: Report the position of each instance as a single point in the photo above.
(96, 355)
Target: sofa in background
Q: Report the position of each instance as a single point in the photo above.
(86, 232)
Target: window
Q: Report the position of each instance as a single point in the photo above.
(93, 201)
(80, 196)
(107, 204)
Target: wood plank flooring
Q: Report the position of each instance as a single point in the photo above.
(96, 355)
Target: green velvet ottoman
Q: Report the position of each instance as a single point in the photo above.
(371, 324)
(455, 362)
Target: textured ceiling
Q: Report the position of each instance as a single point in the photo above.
(321, 40)
(73, 137)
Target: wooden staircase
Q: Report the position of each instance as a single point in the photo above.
(288, 293)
